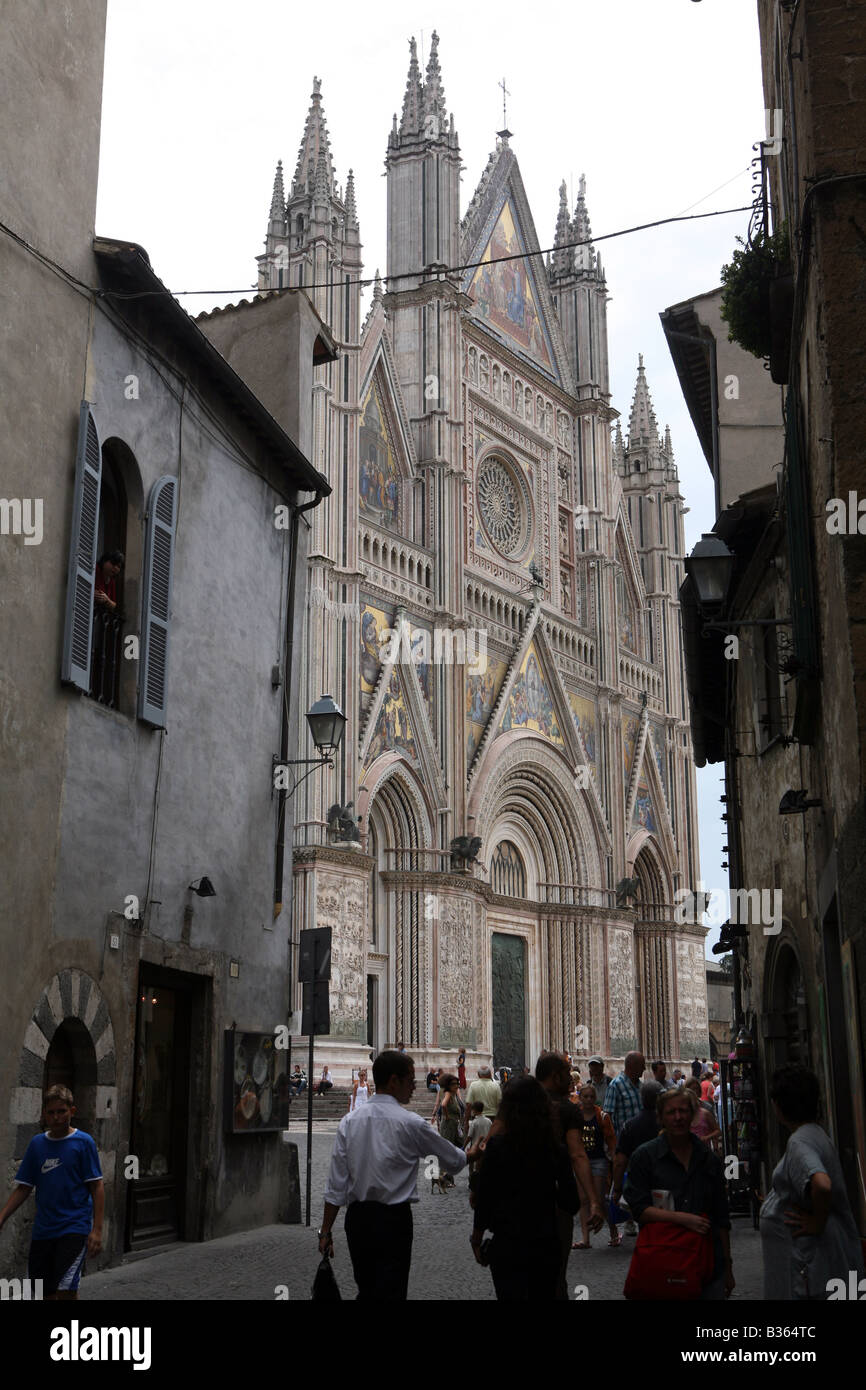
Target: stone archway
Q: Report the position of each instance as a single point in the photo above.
(72, 1010)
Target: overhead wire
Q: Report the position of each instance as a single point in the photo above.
(365, 281)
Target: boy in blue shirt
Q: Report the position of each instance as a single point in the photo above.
(62, 1165)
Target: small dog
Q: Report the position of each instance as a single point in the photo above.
(443, 1182)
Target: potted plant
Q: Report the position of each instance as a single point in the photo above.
(757, 301)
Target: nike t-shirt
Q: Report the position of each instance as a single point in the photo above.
(59, 1169)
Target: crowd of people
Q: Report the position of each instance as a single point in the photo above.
(639, 1157)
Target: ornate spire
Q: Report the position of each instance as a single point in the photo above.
(314, 155)
(618, 445)
(377, 287)
(411, 122)
(351, 210)
(278, 200)
(433, 108)
(642, 426)
(584, 256)
(563, 259)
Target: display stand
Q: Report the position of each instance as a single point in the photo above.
(741, 1131)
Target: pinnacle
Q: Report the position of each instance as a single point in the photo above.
(563, 258)
(278, 197)
(584, 256)
(314, 155)
(434, 95)
(642, 420)
(351, 210)
(410, 123)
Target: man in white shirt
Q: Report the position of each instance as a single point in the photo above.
(374, 1174)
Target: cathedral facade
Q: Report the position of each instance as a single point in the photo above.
(493, 601)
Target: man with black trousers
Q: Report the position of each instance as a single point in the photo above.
(374, 1174)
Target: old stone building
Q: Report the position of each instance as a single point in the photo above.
(142, 962)
(493, 601)
(787, 715)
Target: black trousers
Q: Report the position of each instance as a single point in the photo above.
(380, 1244)
(529, 1272)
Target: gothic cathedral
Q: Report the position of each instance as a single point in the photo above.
(493, 601)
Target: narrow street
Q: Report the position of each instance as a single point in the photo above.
(254, 1264)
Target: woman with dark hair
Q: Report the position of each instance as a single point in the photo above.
(808, 1232)
(108, 567)
(448, 1109)
(516, 1196)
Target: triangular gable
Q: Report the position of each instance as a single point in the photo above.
(482, 692)
(529, 704)
(631, 596)
(386, 452)
(506, 294)
(631, 732)
(393, 728)
(512, 298)
(646, 807)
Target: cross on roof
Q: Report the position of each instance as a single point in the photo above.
(505, 93)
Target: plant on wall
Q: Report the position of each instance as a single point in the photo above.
(746, 297)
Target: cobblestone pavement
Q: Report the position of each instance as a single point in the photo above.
(255, 1264)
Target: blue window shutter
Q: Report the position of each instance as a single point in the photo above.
(78, 627)
(158, 565)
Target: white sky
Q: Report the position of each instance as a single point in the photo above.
(658, 102)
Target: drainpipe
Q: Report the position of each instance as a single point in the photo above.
(283, 794)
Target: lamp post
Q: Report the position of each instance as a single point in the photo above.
(327, 723)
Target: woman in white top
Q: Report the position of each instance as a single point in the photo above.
(361, 1091)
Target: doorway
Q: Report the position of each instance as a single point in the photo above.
(161, 1110)
(509, 1001)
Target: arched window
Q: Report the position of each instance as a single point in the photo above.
(507, 874)
(71, 1061)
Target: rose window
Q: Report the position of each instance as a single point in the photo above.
(504, 506)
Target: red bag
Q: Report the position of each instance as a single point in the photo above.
(669, 1261)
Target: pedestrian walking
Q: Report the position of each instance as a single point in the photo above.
(361, 1090)
(705, 1124)
(599, 1141)
(599, 1079)
(675, 1179)
(640, 1130)
(374, 1175)
(448, 1112)
(516, 1197)
(622, 1102)
(808, 1233)
(660, 1074)
(485, 1089)
(461, 1068)
(62, 1167)
(553, 1073)
(478, 1130)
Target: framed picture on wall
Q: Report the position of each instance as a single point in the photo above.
(256, 1083)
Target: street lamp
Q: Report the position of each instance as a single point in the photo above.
(327, 723)
(710, 566)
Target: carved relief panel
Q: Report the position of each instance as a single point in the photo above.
(341, 904)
